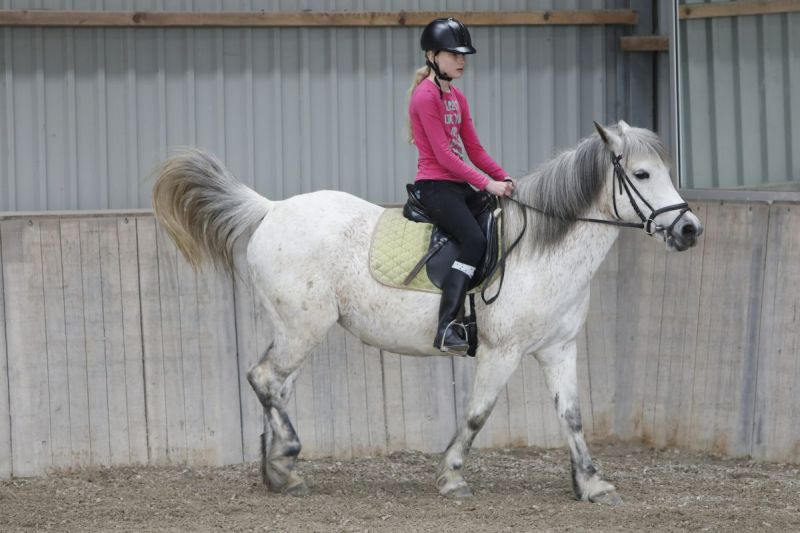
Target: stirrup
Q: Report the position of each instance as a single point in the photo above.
(453, 349)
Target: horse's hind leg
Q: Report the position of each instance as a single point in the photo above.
(492, 374)
(272, 379)
(559, 366)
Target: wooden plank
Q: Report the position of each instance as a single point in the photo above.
(439, 422)
(26, 347)
(517, 417)
(197, 449)
(544, 428)
(376, 413)
(172, 355)
(601, 346)
(533, 410)
(742, 289)
(80, 443)
(357, 396)
(5, 410)
(415, 382)
(222, 431)
(644, 43)
(24, 17)
(393, 401)
(496, 429)
(463, 374)
(649, 344)
(584, 381)
(250, 346)
(700, 423)
(57, 361)
(340, 396)
(737, 9)
(728, 341)
(96, 364)
(304, 421)
(678, 340)
(636, 292)
(775, 432)
(132, 339)
(323, 401)
(155, 386)
(114, 337)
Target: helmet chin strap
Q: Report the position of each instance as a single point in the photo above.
(434, 66)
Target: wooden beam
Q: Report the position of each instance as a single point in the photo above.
(736, 9)
(149, 19)
(644, 43)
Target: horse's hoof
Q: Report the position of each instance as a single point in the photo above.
(460, 492)
(298, 489)
(453, 486)
(609, 497)
(455, 490)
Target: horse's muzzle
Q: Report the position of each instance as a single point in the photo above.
(684, 233)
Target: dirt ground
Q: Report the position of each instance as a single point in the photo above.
(526, 489)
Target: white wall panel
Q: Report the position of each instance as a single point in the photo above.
(115, 352)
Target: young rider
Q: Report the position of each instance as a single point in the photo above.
(441, 127)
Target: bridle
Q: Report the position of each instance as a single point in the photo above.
(647, 224)
(621, 181)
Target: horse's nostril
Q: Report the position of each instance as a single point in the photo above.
(689, 230)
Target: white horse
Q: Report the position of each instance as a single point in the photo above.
(308, 257)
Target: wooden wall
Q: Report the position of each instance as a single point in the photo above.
(113, 351)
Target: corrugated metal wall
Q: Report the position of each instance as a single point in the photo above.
(740, 103)
(86, 113)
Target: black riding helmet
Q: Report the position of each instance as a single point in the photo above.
(445, 34)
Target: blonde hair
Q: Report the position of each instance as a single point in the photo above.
(419, 75)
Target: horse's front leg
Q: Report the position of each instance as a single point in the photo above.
(559, 366)
(492, 374)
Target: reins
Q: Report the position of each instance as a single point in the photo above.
(624, 183)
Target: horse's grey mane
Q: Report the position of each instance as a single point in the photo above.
(568, 185)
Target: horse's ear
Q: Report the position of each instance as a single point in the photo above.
(611, 139)
(623, 127)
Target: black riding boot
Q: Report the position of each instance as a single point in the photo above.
(451, 335)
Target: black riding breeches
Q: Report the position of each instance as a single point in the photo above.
(451, 205)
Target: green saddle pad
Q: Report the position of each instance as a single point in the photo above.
(397, 246)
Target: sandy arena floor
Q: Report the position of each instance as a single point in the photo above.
(524, 489)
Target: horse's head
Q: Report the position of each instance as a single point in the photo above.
(639, 187)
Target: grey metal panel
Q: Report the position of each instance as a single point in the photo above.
(86, 113)
(740, 100)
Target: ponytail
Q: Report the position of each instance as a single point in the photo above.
(419, 75)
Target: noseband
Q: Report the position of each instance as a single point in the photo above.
(624, 183)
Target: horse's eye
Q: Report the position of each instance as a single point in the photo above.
(641, 174)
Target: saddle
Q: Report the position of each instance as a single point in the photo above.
(443, 250)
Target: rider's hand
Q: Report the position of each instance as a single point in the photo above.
(500, 188)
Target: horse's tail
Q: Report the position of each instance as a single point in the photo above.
(203, 207)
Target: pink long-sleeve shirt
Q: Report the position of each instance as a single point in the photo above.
(444, 134)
